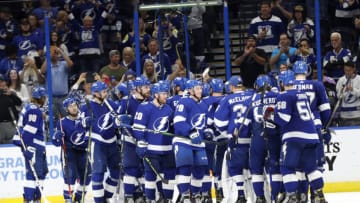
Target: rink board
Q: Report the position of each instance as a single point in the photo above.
(341, 169)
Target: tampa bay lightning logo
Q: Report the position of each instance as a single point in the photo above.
(161, 124)
(105, 122)
(198, 121)
(25, 45)
(77, 138)
(350, 98)
(88, 12)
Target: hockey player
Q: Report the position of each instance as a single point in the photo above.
(190, 155)
(178, 87)
(71, 137)
(299, 139)
(132, 163)
(31, 139)
(212, 101)
(265, 141)
(156, 148)
(100, 121)
(320, 107)
(231, 120)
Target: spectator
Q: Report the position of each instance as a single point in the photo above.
(81, 89)
(267, 28)
(128, 58)
(11, 61)
(281, 54)
(251, 61)
(129, 39)
(304, 53)
(161, 69)
(169, 38)
(35, 27)
(195, 26)
(8, 100)
(300, 27)
(26, 40)
(31, 75)
(282, 9)
(344, 13)
(45, 9)
(7, 29)
(149, 71)
(113, 69)
(55, 41)
(89, 47)
(60, 75)
(334, 60)
(17, 86)
(348, 90)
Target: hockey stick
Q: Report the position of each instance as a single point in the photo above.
(337, 105)
(65, 158)
(161, 132)
(88, 151)
(32, 168)
(213, 189)
(220, 143)
(148, 161)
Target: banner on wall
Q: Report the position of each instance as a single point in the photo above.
(342, 165)
(12, 171)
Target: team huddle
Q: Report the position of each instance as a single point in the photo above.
(263, 144)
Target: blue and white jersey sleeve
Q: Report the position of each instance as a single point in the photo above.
(181, 125)
(140, 121)
(32, 125)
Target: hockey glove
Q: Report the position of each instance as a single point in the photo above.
(29, 153)
(326, 136)
(141, 148)
(269, 114)
(122, 120)
(57, 138)
(86, 122)
(209, 134)
(195, 137)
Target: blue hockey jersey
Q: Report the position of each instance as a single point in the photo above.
(103, 129)
(189, 115)
(230, 115)
(74, 134)
(155, 118)
(319, 103)
(294, 117)
(31, 123)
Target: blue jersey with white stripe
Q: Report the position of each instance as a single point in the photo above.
(74, 134)
(149, 116)
(32, 124)
(231, 114)
(257, 114)
(173, 101)
(319, 103)
(272, 26)
(189, 115)
(103, 129)
(294, 117)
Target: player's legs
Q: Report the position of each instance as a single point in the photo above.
(184, 162)
(169, 170)
(113, 160)
(132, 170)
(198, 171)
(257, 164)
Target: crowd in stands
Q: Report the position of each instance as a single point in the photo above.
(94, 40)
